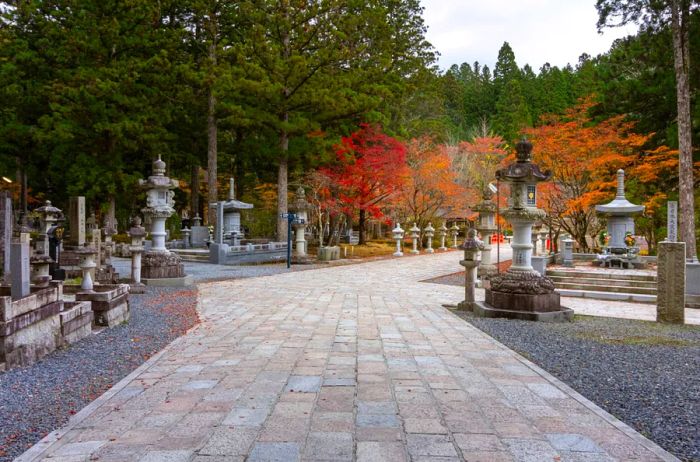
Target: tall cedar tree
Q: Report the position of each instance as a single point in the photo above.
(655, 14)
(311, 65)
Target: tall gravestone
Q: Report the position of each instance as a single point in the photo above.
(6, 222)
(670, 298)
(76, 221)
(20, 268)
(672, 221)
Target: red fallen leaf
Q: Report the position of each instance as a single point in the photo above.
(72, 412)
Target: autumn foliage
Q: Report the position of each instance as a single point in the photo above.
(583, 157)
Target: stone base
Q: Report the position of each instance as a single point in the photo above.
(76, 321)
(110, 304)
(169, 282)
(329, 253)
(137, 288)
(465, 306)
(302, 260)
(218, 253)
(540, 303)
(157, 265)
(562, 315)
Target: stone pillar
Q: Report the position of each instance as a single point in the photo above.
(299, 238)
(429, 233)
(76, 221)
(415, 233)
(471, 247)
(398, 234)
(670, 298)
(19, 259)
(567, 252)
(6, 224)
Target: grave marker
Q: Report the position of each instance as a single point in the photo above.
(20, 268)
(672, 221)
(76, 220)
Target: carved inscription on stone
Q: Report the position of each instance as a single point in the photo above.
(670, 299)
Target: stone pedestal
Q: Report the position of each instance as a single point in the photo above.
(87, 266)
(159, 265)
(670, 298)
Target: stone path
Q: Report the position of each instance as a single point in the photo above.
(355, 362)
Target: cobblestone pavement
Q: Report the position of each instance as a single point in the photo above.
(354, 362)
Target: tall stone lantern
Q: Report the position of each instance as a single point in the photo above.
(397, 234)
(442, 232)
(137, 233)
(300, 206)
(48, 217)
(521, 292)
(415, 233)
(619, 213)
(487, 227)
(159, 262)
(429, 233)
(454, 229)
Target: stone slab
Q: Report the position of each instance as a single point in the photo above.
(483, 310)
(169, 282)
(670, 297)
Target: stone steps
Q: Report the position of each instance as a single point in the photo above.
(613, 285)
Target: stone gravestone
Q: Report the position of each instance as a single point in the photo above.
(672, 221)
(20, 268)
(76, 221)
(670, 298)
(5, 233)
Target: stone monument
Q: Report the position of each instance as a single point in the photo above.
(670, 298)
(160, 266)
(76, 221)
(19, 260)
(233, 232)
(6, 228)
(521, 292)
(619, 213)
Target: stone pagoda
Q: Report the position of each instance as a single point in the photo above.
(159, 264)
(619, 213)
(233, 232)
(522, 292)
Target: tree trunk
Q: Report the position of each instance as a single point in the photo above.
(282, 187)
(212, 147)
(681, 60)
(361, 227)
(194, 194)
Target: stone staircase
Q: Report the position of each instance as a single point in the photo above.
(613, 285)
(194, 255)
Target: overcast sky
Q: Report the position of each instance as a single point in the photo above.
(539, 31)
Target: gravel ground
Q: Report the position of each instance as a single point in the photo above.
(643, 373)
(38, 399)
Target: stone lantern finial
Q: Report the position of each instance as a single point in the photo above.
(524, 150)
(231, 189)
(620, 184)
(158, 167)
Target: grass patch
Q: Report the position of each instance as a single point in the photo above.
(651, 340)
(370, 249)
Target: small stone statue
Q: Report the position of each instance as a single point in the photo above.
(472, 242)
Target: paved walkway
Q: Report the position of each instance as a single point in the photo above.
(355, 362)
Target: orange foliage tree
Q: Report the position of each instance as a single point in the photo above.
(583, 156)
(369, 169)
(430, 185)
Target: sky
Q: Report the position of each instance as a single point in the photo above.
(538, 31)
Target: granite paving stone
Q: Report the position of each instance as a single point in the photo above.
(321, 365)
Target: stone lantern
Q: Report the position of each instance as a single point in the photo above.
(300, 207)
(40, 274)
(429, 233)
(472, 246)
(521, 292)
(398, 234)
(487, 227)
(137, 234)
(159, 262)
(442, 232)
(568, 251)
(415, 233)
(455, 232)
(544, 232)
(619, 213)
(48, 216)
